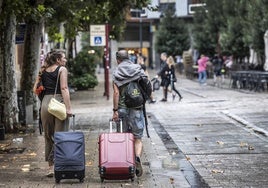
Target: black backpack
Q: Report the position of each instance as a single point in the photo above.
(133, 95)
(145, 86)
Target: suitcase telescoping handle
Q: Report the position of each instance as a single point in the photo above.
(120, 123)
(73, 127)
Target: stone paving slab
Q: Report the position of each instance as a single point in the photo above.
(221, 149)
(232, 170)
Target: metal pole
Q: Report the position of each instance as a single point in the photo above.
(106, 56)
(140, 33)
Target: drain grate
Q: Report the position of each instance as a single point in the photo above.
(12, 150)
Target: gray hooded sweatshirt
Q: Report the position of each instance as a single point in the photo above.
(126, 72)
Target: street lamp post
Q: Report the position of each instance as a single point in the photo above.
(140, 32)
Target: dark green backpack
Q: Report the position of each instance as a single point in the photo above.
(133, 95)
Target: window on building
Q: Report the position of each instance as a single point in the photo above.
(195, 5)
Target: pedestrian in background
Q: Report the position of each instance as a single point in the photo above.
(133, 118)
(141, 60)
(202, 69)
(172, 77)
(217, 62)
(163, 73)
(54, 65)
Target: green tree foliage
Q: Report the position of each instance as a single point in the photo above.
(256, 22)
(232, 34)
(208, 21)
(76, 15)
(172, 36)
(231, 27)
(202, 41)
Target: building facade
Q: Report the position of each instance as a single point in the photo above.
(139, 36)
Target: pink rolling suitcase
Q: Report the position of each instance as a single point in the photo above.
(116, 155)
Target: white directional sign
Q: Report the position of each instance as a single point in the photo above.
(97, 35)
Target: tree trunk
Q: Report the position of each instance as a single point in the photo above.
(9, 104)
(265, 67)
(1, 70)
(31, 62)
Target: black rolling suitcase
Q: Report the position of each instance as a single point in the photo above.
(69, 155)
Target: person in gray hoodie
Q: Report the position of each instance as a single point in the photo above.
(132, 118)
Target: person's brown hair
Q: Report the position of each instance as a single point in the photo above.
(52, 56)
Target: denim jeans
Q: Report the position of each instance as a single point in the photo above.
(202, 77)
(133, 121)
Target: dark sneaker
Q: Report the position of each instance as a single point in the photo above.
(152, 101)
(139, 170)
(163, 100)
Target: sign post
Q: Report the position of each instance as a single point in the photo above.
(99, 36)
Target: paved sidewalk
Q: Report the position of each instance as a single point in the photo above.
(22, 158)
(215, 137)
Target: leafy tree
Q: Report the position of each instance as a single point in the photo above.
(256, 24)
(202, 41)
(172, 36)
(208, 22)
(8, 90)
(231, 27)
(73, 15)
(232, 36)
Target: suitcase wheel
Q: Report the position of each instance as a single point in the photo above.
(132, 179)
(102, 180)
(81, 180)
(57, 180)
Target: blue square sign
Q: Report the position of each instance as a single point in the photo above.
(97, 40)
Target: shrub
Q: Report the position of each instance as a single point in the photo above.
(84, 82)
(82, 70)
